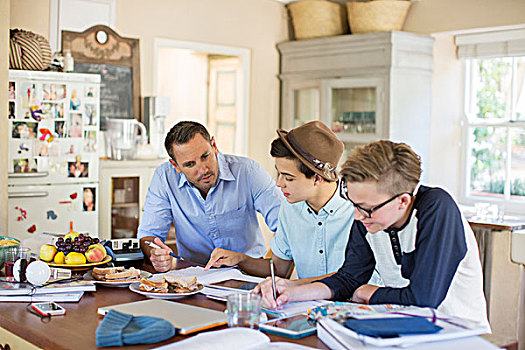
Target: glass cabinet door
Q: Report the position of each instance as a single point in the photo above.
(125, 207)
(305, 106)
(353, 108)
(301, 103)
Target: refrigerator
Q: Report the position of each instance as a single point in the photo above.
(54, 128)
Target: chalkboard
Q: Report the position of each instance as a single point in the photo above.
(116, 88)
(102, 51)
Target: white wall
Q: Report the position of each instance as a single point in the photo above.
(182, 76)
(446, 112)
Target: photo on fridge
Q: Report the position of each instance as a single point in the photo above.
(28, 95)
(91, 114)
(89, 199)
(11, 110)
(90, 91)
(12, 90)
(74, 102)
(54, 92)
(78, 169)
(75, 125)
(24, 130)
(25, 165)
(90, 141)
(59, 129)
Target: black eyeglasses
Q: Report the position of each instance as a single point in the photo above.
(343, 192)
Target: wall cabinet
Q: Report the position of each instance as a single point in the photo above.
(123, 188)
(365, 87)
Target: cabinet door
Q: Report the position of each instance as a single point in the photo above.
(354, 108)
(123, 192)
(301, 103)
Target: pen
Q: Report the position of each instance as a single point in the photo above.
(273, 280)
(153, 245)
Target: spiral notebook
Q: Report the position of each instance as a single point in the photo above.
(186, 318)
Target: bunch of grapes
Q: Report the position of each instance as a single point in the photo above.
(79, 244)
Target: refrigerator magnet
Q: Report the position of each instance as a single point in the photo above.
(51, 215)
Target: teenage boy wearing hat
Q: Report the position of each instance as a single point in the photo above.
(415, 236)
(314, 223)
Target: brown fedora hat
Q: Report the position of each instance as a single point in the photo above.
(316, 146)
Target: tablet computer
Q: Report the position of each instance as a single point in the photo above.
(294, 327)
(234, 284)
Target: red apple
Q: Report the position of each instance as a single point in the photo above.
(95, 253)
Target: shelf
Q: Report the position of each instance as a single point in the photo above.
(125, 205)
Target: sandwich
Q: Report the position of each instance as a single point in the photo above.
(116, 274)
(182, 284)
(154, 285)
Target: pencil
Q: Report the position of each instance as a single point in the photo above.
(153, 245)
(273, 280)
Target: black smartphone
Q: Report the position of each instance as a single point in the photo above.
(234, 284)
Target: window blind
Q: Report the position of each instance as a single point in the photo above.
(500, 43)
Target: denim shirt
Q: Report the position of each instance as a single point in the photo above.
(225, 219)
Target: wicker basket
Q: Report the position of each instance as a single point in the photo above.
(317, 18)
(377, 15)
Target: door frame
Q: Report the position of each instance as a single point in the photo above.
(244, 54)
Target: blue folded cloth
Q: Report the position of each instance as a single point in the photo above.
(392, 327)
(117, 329)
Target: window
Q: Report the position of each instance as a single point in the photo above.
(495, 130)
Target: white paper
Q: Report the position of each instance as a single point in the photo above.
(213, 275)
(231, 338)
(297, 307)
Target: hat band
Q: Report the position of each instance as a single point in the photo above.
(327, 168)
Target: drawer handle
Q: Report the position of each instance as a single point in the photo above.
(27, 175)
(27, 195)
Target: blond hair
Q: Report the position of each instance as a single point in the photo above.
(394, 166)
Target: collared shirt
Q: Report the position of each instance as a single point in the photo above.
(432, 261)
(315, 242)
(225, 219)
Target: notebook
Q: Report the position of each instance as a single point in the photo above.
(186, 318)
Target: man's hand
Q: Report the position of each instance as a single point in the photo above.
(160, 258)
(220, 257)
(364, 293)
(284, 291)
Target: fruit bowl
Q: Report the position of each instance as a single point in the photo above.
(5, 247)
(82, 266)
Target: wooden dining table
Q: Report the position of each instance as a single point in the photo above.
(76, 330)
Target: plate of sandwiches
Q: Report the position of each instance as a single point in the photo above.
(115, 276)
(167, 286)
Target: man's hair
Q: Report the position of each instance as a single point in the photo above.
(182, 133)
(394, 166)
(279, 150)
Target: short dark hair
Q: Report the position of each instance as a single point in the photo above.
(182, 133)
(279, 150)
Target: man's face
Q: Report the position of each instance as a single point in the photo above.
(368, 196)
(296, 187)
(197, 160)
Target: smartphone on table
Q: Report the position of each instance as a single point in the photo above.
(294, 327)
(48, 308)
(234, 285)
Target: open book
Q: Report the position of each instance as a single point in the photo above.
(231, 338)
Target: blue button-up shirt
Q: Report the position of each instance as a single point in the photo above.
(315, 242)
(225, 219)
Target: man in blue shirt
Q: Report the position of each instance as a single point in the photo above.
(314, 223)
(211, 198)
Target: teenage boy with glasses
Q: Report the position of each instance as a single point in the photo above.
(414, 236)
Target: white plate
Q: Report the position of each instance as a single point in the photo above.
(89, 277)
(135, 288)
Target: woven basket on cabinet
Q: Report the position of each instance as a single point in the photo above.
(317, 18)
(377, 15)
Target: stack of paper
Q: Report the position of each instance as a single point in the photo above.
(456, 333)
(60, 292)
